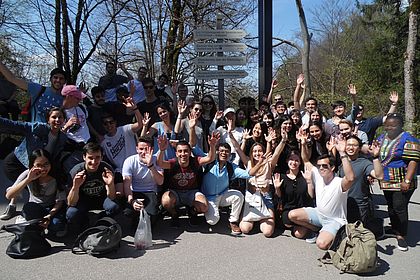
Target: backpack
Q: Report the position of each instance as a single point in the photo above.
(356, 252)
(229, 167)
(100, 239)
(29, 106)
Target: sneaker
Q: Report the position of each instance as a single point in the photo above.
(20, 219)
(175, 222)
(194, 220)
(312, 238)
(235, 229)
(401, 244)
(9, 213)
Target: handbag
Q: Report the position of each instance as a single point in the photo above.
(143, 235)
(255, 208)
(29, 241)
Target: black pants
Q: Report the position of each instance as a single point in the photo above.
(12, 167)
(398, 209)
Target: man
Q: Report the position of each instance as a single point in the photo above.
(120, 142)
(92, 188)
(111, 81)
(359, 202)
(184, 178)
(137, 93)
(216, 180)
(142, 176)
(331, 196)
(165, 91)
(42, 98)
(148, 105)
(95, 112)
(370, 125)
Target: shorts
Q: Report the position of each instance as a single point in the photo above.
(185, 197)
(150, 201)
(268, 200)
(325, 223)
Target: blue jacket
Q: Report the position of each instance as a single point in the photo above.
(36, 137)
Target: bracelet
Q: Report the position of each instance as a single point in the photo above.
(150, 166)
(377, 157)
(344, 156)
(394, 104)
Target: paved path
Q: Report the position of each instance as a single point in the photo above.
(210, 253)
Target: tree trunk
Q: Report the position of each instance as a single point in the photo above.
(409, 67)
(66, 43)
(57, 24)
(306, 48)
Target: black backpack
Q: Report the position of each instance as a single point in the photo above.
(100, 239)
(229, 167)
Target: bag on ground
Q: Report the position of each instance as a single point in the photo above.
(100, 239)
(143, 235)
(29, 241)
(255, 208)
(356, 253)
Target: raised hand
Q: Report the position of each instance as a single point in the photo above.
(302, 135)
(162, 142)
(284, 135)
(192, 120)
(246, 134)
(352, 90)
(129, 103)
(79, 178)
(34, 173)
(146, 119)
(83, 87)
(393, 97)
(108, 176)
(277, 181)
(300, 79)
(307, 173)
(340, 144)
(230, 125)
(272, 135)
(182, 107)
(214, 138)
(219, 115)
(274, 84)
(148, 156)
(375, 148)
(331, 143)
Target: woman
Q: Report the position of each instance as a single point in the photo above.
(293, 190)
(260, 165)
(259, 131)
(399, 154)
(182, 127)
(285, 124)
(253, 118)
(296, 118)
(46, 196)
(37, 135)
(241, 118)
(318, 141)
(207, 116)
(164, 127)
(268, 118)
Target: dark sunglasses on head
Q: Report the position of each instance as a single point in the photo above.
(323, 166)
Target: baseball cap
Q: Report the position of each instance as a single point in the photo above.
(72, 90)
(228, 110)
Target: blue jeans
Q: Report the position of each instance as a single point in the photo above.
(77, 215)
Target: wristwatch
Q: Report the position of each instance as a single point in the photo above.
(407, 181)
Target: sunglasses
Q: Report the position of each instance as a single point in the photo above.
(278, 99)
(323, 166)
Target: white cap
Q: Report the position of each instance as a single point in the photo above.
(228, 110)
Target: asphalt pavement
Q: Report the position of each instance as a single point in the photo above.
(209, 253)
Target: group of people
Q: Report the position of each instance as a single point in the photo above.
(143, 144)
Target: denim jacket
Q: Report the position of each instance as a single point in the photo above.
(36, 137)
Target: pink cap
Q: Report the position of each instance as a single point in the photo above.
(72, 90)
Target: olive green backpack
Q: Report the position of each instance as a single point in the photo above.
(356, 253)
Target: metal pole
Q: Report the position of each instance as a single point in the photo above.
(220, 82)
(265, 56)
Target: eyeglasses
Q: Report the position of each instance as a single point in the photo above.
(198, 109)
(278, 99)
(108, 122)
(323, 166)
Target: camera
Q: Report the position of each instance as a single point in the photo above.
(75, 128)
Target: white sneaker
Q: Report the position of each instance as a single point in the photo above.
(312, 238)
(20, 219)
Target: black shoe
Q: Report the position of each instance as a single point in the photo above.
(401, 244)
(194, 221)
(175, 222)
(389, 232)
(9, 213)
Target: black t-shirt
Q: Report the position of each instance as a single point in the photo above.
(95, 118)
(145, 107)
(93, 188)
(294, 193)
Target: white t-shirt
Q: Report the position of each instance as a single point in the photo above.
(82, 133)
(141, 176)
(120, 146)
(139, 94)
(331, 201)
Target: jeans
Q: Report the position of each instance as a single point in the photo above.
(231, 197)
(77, 215)
(32, 210)
(398, 209)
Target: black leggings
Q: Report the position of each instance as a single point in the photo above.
(12, 167)
(398, 209)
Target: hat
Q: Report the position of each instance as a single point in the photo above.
(228, 110)
(72, 90)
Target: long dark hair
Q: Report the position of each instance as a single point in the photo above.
(167, 108)
(214, 108)
(32, 157)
